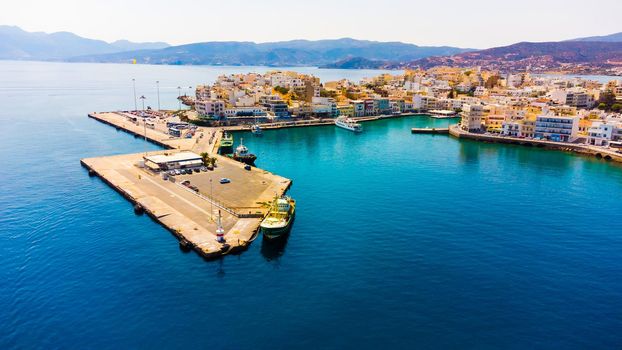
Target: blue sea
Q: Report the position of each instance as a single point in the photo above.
(401, 241)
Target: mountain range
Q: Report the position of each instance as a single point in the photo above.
(17, 44)
(597, 54)
(283, 53)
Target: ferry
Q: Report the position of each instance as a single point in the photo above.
(279, 220)
(348, 124)
(226, 143)
(241, 154)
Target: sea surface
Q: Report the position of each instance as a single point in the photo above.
(400, 241)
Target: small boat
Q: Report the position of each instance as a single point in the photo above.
(348, 124)
(241, 154)
(280, 218)
(256, 130)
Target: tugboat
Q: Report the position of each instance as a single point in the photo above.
(348, 124)
(241, 154)
(226, 143)
(279, 220)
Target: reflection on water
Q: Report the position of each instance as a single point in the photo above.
(273, 249)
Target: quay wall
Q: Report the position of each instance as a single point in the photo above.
(582, 149)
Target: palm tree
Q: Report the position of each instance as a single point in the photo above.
(206, 158)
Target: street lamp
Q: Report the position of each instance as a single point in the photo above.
(134, 85)
(144, 120)
(158, 87)
(179, 95)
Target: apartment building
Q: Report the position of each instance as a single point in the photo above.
(557, 128)
(472, 117)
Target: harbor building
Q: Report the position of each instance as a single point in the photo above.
(557, 128)
(179, 160)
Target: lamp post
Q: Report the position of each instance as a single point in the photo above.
(211, 198)
(134, 85)
(179, 96)
(158, 88)
(144, 120)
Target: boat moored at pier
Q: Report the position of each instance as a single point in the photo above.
(241, 154)
(226, 143)
(348, 124)
(279, 220)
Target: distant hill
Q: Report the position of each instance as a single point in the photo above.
(125, 45)
(583, 56)
(356, 63)
(284, 53)
(17, 44)
(616, 37)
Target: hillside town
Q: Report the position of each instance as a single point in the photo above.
(555, 108)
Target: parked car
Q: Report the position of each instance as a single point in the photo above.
(177, 172)
(186, 183)
(203, 168)
(247, 167)
(196, 170)
(225, 180)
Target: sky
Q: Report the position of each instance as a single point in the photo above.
(461, 23)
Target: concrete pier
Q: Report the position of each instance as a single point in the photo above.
(429, 130)
(191, 215)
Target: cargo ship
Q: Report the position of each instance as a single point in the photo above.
(279, 220)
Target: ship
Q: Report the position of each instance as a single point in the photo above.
(241, 154)
(279, 220)
(226, 143)
(348, 124)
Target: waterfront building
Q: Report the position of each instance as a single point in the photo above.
(359, 108)
(210, 108)
(557, 128)
(600, 134)
(472, 117)
(346, 110)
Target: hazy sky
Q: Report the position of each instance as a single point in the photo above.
(464, 23)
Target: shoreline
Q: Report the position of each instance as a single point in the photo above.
(581, 149)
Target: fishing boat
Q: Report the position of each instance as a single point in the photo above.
(348, 124)
(241, 154)
(226, 143)
(279, 220)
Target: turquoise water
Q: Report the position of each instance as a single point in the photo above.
(400, 240)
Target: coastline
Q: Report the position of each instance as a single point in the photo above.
(582, 149)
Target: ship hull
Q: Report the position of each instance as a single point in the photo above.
(248, 159)
(277, 232)
(353, 129)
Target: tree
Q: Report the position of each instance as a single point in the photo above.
(206, 158)
(616, 107)
(602, 106)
